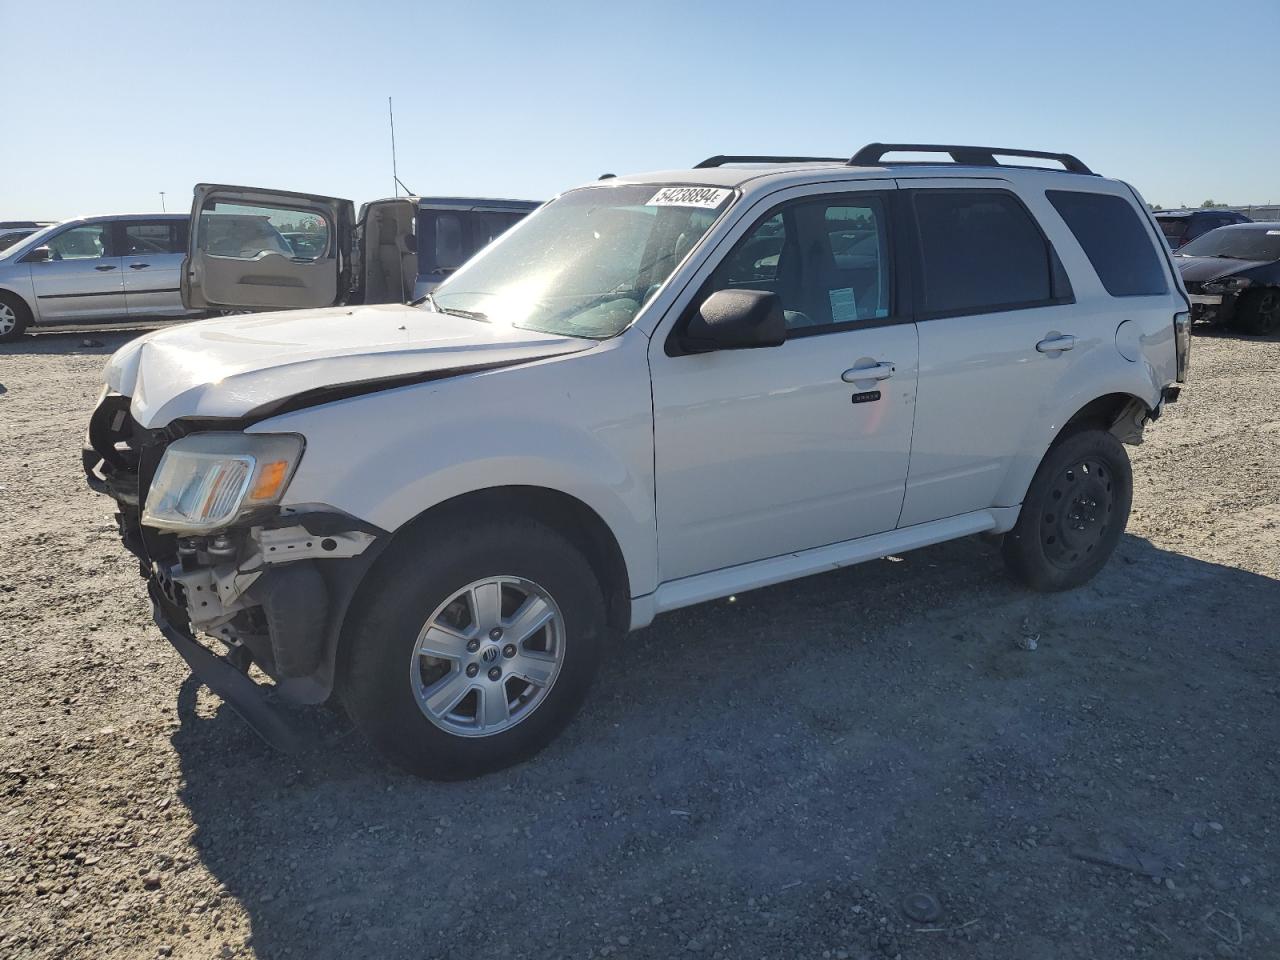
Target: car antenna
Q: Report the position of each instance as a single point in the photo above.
(395, 179)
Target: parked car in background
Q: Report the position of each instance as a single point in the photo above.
(1182, 226)
(653, 392)
(394, 251)
(11, 235)
(94, 268)
(1233, 276)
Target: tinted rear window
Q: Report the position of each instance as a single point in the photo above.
(1114, 240)
(981, 251)
(1172, 228)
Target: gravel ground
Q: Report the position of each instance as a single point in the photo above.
(765, 778)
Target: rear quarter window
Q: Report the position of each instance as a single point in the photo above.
(1115, 241)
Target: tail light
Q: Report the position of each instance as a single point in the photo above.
(1182, 341)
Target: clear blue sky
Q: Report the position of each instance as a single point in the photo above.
(107, 103)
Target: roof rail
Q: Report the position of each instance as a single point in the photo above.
(871, 154)
(721, 159)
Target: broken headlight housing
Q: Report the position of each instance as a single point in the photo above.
(1227, 285)
(208, 481)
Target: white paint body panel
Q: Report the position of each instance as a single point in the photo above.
(761, 452)
(229, 366)
(579, 423)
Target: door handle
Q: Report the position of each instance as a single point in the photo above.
(1056, 343)
(105, 266)
(139, 266)
(877, 371)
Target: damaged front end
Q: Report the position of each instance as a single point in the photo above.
(272, 584)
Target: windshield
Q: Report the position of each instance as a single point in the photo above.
(584, 264)
(1252, 242)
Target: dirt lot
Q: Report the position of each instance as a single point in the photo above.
(767, 778)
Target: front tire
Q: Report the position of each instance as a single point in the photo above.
(476, 647)
(1074, 513)
(1259, 312)
(14, 317)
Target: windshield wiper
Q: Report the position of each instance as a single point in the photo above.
(452, 311)
(455, 312)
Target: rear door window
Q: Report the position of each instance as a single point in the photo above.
(447, 239)
(981, 251)
(1173, 228)
(1115, 241)
(144, 238)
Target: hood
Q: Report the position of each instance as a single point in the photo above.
(1200, 269)
(256, 364)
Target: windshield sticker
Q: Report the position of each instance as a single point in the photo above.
(707, 198)
(844, 305)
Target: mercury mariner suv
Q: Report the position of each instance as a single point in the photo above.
(654, 391)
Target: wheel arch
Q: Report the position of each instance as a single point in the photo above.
(567, 515)
(22, 299)
(1119, 411)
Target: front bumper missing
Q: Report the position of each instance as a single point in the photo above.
(1212, 307)
(245, 697)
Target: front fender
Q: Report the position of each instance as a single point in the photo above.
(580, 425)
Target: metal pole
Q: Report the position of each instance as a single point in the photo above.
(395, 178)
(162, 206)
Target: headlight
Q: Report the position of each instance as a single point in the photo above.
(1227, 285)
(209, 480)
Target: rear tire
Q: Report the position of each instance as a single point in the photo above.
(438, 591)
(1259, 312)
(1074, 513)
(14, 317)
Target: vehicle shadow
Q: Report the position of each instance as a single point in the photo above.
(769, 776)
(78, 338)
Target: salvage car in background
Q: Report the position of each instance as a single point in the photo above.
(394, 251)
(1180, 227)
(94, 268)
(1233, 276)
(11, 235)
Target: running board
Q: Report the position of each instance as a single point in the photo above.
(765, 573)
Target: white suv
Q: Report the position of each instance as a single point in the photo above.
(654, 391)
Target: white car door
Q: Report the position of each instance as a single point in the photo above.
(767, 451)
(81, 278)
(998, 334)
(151, 261)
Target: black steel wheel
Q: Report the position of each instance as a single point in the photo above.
(1074, 512)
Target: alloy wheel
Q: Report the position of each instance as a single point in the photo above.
(488, 656)
(8, 319)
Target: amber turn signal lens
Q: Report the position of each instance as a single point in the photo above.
(270, 480)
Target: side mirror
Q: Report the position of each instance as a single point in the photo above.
(736, 320)
(38, 255)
